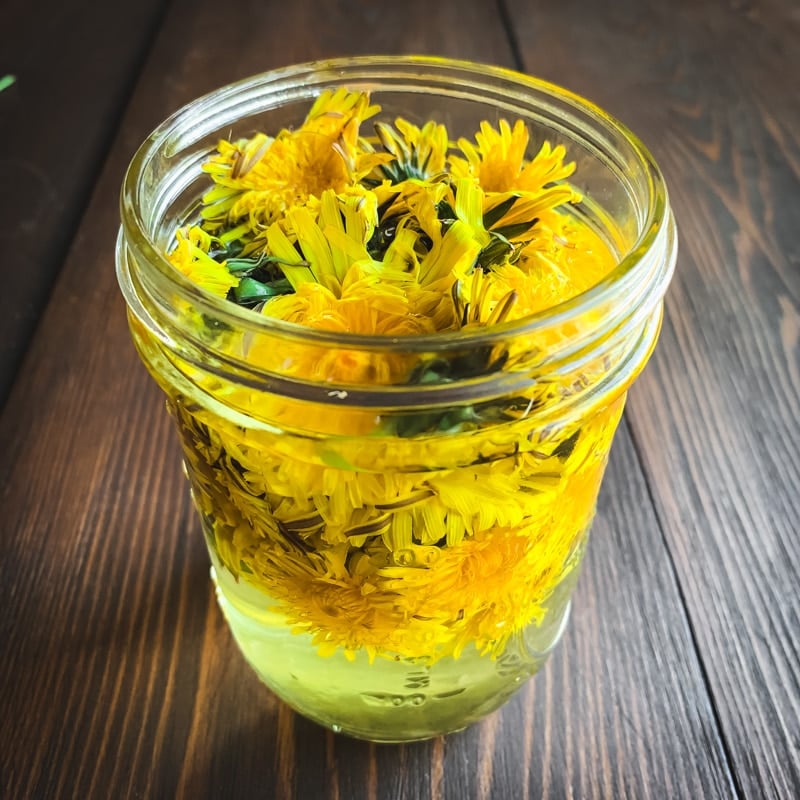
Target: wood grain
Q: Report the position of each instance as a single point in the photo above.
(75, 64)
(119, 678)
(715, 418)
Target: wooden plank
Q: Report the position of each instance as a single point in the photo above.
(74, 65)
(715, 418)
(119, 677)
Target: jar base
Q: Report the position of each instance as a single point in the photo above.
(388, 700)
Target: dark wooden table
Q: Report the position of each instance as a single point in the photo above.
(680, 673)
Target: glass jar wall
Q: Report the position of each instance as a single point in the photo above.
(396, 523)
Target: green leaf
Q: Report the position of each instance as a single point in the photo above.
(387, 204)
(445, 211)
(496, 252)
(250, 290)
(335, 460)
(512, 231)
(499, 211)
(564, 450)
(414, 424)
(237, 265)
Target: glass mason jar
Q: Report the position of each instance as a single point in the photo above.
(395, 554)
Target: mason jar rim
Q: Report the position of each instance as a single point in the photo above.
(279, 83)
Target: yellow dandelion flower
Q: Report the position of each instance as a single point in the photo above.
(414, 201)
(368, 304)
(469, 209)
(497, 157)
(259, 179)
(546, 167)
(190, 257)
(451, 255)
(497, 160)
(397, 595)
(570, 251)
(416, 153)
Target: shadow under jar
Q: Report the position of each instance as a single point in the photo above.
(395, 556)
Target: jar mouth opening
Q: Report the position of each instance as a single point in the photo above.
(278, 83)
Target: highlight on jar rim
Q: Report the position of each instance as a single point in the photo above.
(395, 305)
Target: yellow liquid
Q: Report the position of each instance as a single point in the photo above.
(392, 587)
(384, 700)
(401, 661)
